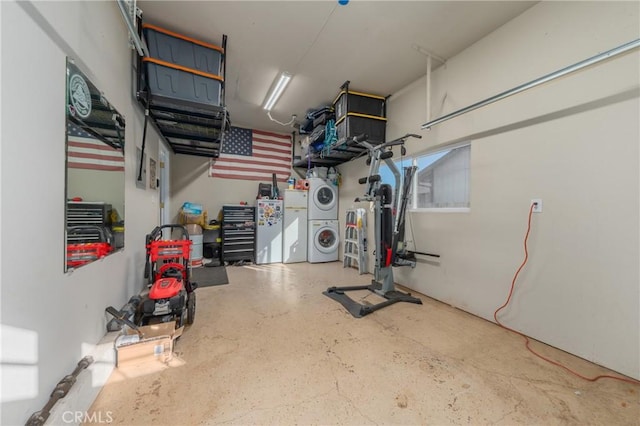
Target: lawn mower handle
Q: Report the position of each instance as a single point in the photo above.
(157, 232)
(122, 320)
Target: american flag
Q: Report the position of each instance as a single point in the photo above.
(253, 155)
(86, 152)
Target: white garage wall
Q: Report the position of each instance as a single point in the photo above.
(58, 317)
(574, 143)
(190, 181)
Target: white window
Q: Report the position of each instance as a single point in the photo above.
(442, 179)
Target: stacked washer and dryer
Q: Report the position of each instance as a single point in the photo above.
(324, 231)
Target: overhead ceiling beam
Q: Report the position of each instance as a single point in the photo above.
(538, 81)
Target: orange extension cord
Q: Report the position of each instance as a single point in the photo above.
(550, 361)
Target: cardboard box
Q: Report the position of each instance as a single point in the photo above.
(197, 219)
(156, 344)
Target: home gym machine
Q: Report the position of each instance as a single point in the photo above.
(389, 210)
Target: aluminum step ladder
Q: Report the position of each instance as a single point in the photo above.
(355, 241)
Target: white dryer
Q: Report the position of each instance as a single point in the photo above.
(324, 241)
(323, 200)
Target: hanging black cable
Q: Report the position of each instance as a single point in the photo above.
(144, 130)
(144, 139)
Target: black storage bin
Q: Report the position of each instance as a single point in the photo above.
(322, 119)
(360, 103)
(355, 124)
(179, 85)
(317, 135)
(181, 50)
(211, 234)
(211, 251)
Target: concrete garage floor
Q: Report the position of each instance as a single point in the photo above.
(269, 348)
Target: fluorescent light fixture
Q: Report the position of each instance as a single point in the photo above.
(277, 90)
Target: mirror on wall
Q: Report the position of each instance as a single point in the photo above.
(94, 207)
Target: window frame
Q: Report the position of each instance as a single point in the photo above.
(414, 185)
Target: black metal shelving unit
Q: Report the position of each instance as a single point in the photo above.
(342, 150)
(188, 131)
(336, 155)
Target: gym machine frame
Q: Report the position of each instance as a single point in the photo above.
(389, 229)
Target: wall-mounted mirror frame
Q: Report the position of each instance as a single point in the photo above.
(95, 177)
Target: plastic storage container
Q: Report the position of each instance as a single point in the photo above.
(118, 236)
(356, 124)
(182, 50)
(197, 219)
(196, 250)
(211, 234)
(211, 251)
(180, 85)
(360, 103)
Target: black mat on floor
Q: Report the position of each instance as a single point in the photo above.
(209, 276)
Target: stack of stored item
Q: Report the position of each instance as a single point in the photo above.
(320, 128)
(360, 113)
(192, 213)
(192, 66)
(316, 118)
(192, 208)
(212, 241)
(197, 239)
(181, 84)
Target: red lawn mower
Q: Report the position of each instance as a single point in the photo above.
(171, 294)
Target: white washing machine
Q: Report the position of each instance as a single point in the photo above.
(323, 200)
(324, 241)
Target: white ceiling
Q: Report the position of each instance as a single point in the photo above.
(323, 44)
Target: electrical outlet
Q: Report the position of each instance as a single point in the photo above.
(537, 208)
